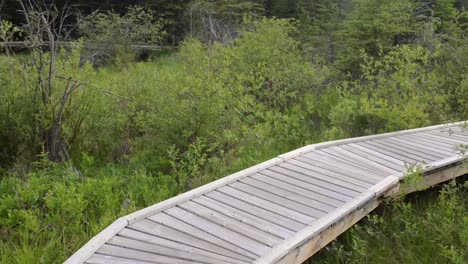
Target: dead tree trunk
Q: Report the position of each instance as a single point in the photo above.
(44, 29)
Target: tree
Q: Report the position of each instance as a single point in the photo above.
(46, 90)
(218, 21)
(320, 23)
(110, 35)
(376, 27)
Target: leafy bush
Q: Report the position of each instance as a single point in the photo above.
(110, 35)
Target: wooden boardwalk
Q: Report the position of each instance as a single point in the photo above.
(285, 209)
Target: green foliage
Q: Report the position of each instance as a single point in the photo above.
(375, 26)
(52, 212)
(8, 32)
(394, 92)
(116, 33)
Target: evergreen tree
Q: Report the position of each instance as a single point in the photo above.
(375, 27)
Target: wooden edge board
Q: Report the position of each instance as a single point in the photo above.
(385, 185)
(383, 135)
(443, 163)
(435, 177)
(97, 241)
(297, 152)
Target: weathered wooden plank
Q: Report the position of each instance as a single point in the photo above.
(346, 154)
(196, 231)
(282, 201)
(103, 259)
(329, 176)
(124, 242)
(463, 128)
(441, 138)
(244, 217)
(450, 144)
(302, 218)
(420, 146)
(230, 223)
(332, 179)
(461, 139)
(372, 137)
(234, 238)
(393, 150)
(152, 239)
(386, 152)
(431, 143)
(192, 239)
(349, 159)
(328, 205)
(375, 156)
(306, 182)
(300, 169)
(284, 192)
(333, 162)
(122, 252)
(417, 145)
(461, 131)
(454, 129)
(255, 210)
(462, 135)
(314, 161)
(406, 149)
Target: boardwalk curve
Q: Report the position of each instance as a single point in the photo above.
(285, 209)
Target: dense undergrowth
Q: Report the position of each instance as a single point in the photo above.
(428, 227)
(135, 133)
